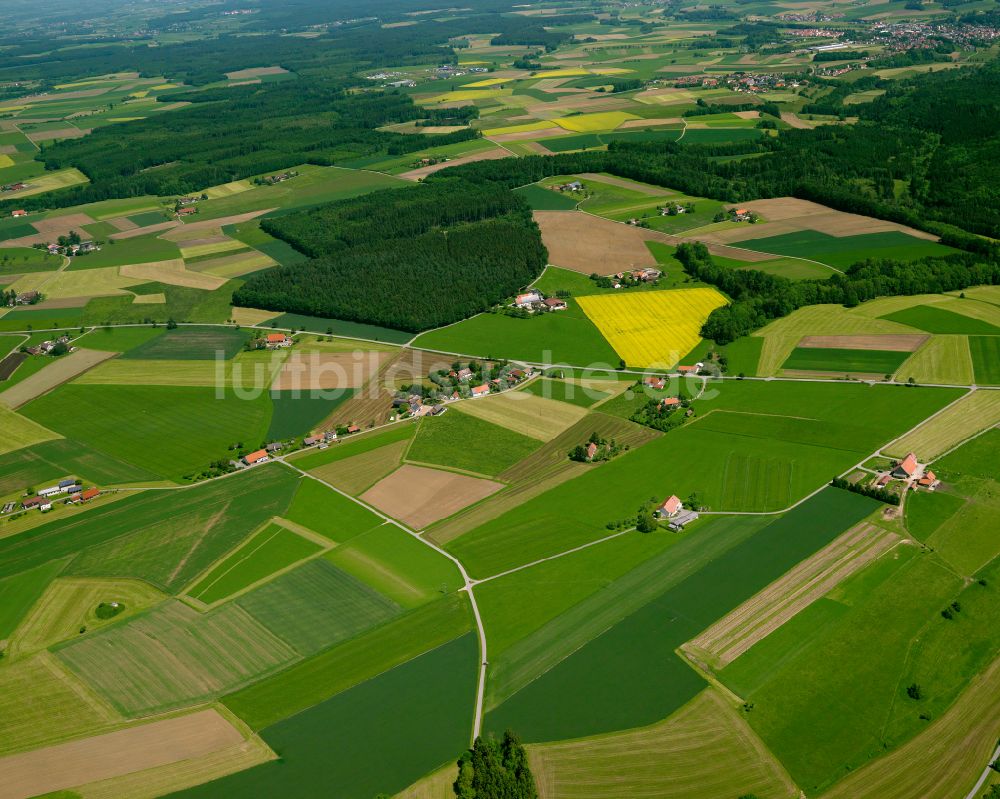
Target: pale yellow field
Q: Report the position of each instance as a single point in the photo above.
(174, 273)
(485, 84)
(53, 180)
(6, 160)
(585, 123)
(199, 250)
(706, 750)
(16, 431)
(252, 316)
(528, 127)
(973, 413)
(150, 299)
(247, 370)
(227, 189)
(943, 359)
(652, 328)
(470, 94)
(524, 413)
(434, 786)
(234, 265)
(103, 281)
(69, 604)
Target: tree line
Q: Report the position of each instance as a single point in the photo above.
(759, 298)
(409, 259)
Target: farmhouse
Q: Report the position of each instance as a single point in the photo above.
(906, 468)
(670, 507)
(670, 402)
(688, 370)
(741, 214)
(480, 391)
(274, 446)
(929, 480)
(275, 341)
(351, 429)
(19, 212)
(28, 298)
(591, 450)
(464, 374)
(554, 304)
(527, 299)
(89, 494)
(34, 502)
(187, 211)
(655, 383)
(646, 275)
(309, 441)
(575, 185)
(260, 456)
(682, 519)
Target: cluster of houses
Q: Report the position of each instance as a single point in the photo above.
(273, 180)
(19, 186)
(57, 346)
(534, 300)
(81, 248)
(464, 383)
(429, 161)
(736, 215)
(575, 185)
(914, 475)
(672, 511)
(757, 82)
(44, 497)
(676, 209)
(687, 81)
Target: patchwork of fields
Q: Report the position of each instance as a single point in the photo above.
(343, 620)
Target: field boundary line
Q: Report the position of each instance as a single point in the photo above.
(467, 587)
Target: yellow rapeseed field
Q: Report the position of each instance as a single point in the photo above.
(652, 328)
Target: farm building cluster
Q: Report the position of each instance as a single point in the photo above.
(535, 301)
(42, 500)
(672, 511)
(910, 473)
(57, 346)
(18, 186)
(471, 380)
(270, 341)
(273, 180)
(12, 298)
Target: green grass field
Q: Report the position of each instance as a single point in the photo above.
(842, 251)
(541, 199)
(815, 359)
(191, 344)
(326, 512)
(773, 445)
(272, 549)
(986, 359)
(629, 673)
(335, 670)
(61, 458)
(172, 431)
(938, 320)
(20, 591)
(120, 339)
(317, 605)
(460, 441)
(829, 687)
(562, 337)
(349, 447)
(743, 355)
(976, 458)
(147, 536)
(137, 250)
(397, 565)
(340, 327)
(344, 747)
(295, 413)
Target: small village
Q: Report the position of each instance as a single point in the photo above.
(70, 490)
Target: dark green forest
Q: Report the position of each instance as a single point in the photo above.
(409, 259)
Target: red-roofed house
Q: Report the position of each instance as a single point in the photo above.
(89, 494)
(655, 383)
(591, 450)
(554, 304)
(906, 468)
(671, 507)
(929, 480)
(274, 340)
(260, 456)
(670, 402)
(19, 212)
(480, 391)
